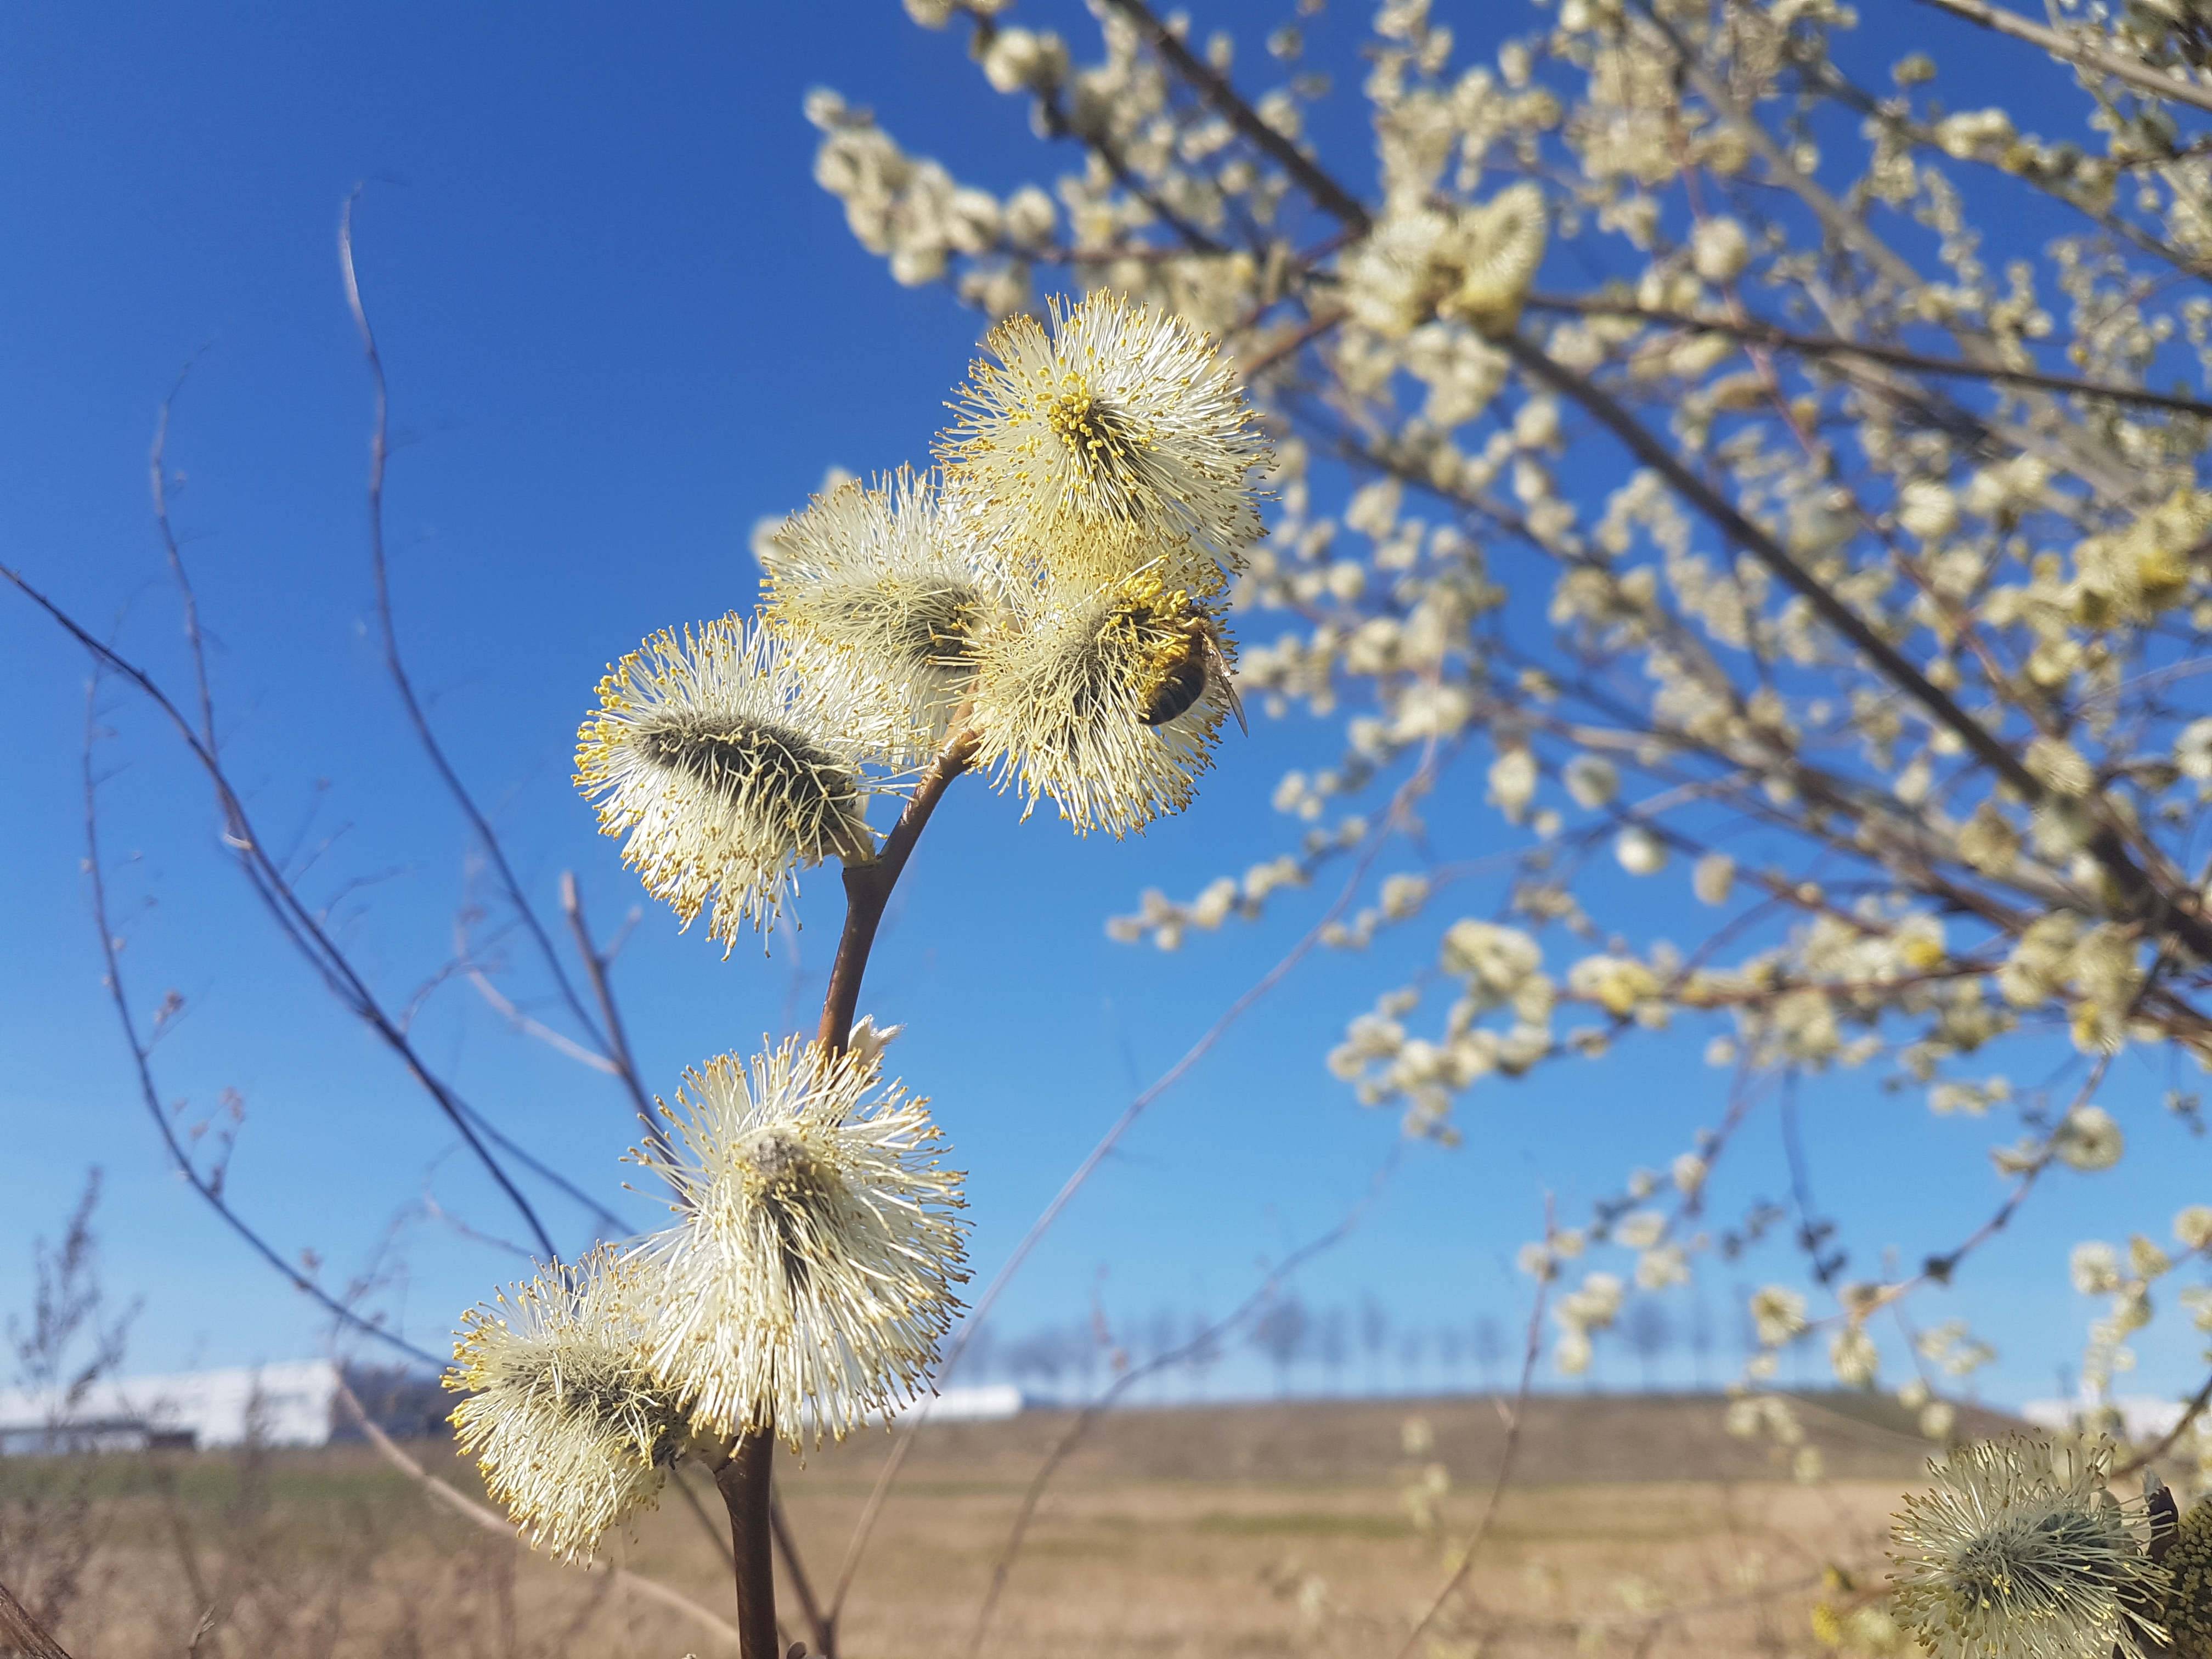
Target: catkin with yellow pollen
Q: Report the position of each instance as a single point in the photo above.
(810, 1276)
(2022, 1552)
(1108, 704)
(571, 1430)
(882, 574)
(1118, 415)
(731, 760)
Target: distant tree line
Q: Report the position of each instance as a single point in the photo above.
(1298, 1348)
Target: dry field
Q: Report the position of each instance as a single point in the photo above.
(1634, 1525)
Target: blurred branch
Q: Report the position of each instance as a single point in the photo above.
(2076, 52)
(1216, 91)
(1532, 1351)
(20, 1633)
(1815, 346)
(1197, 1346)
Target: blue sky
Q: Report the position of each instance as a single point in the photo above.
(622, 325)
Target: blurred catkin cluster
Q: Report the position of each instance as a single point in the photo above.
(1767, 474)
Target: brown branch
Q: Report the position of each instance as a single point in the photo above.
(1215, 91)
(868, 886)
(1057, 125)
(2105, 846)
(1815, 346)
(1314, 329)
(2077, 52)
(2195, 1409)
(21, 1634)
(743, 1479)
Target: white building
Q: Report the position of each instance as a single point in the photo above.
(286, 1405)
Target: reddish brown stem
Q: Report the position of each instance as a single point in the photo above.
(868, 888)
(743, 1480)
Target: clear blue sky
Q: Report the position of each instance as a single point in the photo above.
(621, 324)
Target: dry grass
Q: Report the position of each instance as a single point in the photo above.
(1276, 1530)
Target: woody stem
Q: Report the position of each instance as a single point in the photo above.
(743, 1480)
(868, 887)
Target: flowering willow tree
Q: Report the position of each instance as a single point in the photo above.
(1038, 609)
(1802, 521)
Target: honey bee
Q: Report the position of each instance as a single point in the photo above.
(1195, 661)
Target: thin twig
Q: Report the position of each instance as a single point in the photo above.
(1313, 329)
(498, 1525)
(786, 1549)
(1128, 1379)
(142, 1063)
(888, 1476)
(2195, 1409)
(301, 925)
(379, 452)
(1533, 1352)
(617, 1039)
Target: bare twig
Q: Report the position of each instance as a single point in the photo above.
(1313, 329)
(497, 1524)
(1400, 806)
(2078, 53)
(301, 925)
(1530, 1354)
(618, 1039)
(2195, 1408)
(786, 1549)
(379, 452)
(1128, 1379)
(141, 1062)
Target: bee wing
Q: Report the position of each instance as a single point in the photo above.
(1220, 666)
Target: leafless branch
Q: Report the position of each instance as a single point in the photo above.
(1268, 1287)
(2076, 52)
(1531, 1352)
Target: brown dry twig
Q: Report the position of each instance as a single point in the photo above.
(1530, 1354)
(498, 1525)
(1129, 1378)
